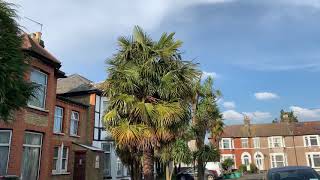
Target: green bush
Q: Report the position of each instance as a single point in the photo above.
(243, 168)
(227, 164)
(253, 168)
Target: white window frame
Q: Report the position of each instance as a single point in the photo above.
(312, 159)
(256, 142)
(231, 143)
(229, 156)
(244, 139)
(58, 169)
(60, 117)
(271, 141)
(246, 154)
(307, 140)
(7, 145)
(35, 146)
(108, 152)
(45, 89)
(273, 157)
(120, 168)
(74, 120)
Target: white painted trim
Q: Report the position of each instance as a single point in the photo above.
(276, 154)
(231, 143)
(312, 153)
(262, 159)
(9, 147)
(45, 90)
(242, 157)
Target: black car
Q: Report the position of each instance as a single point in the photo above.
(191, 174)
(293, 173)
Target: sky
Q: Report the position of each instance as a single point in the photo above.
(264, 55)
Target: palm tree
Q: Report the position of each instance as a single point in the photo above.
(149, 87)
(206, 118)
(14, 90)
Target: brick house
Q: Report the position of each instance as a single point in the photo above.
(25, 142)
(79, 89)
(272, 145)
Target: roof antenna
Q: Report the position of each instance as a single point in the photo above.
(35, 22)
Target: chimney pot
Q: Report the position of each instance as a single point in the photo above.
(246, 120)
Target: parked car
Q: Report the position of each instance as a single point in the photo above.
(191, 174)
(215, 166)
(293, 173)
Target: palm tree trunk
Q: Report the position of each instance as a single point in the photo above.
(200, 162)
(148, 164)
(136, 170)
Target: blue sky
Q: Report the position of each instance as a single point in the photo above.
(263, 54)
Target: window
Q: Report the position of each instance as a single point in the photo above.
(311, 140)
(226, 143)
(105, 106)
(119, 168)
(107, 160)
(277, 160)
(97, 163)
(58, 119)
(40, 80)
(244, 143)
(256, 142)
(275, 142)
(60, 159)
(313, 159)
(74, 123)
(5, 140)
(31, 155)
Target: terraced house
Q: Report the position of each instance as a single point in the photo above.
(272, 145)
(52, 137)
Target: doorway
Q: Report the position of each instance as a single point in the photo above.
(79, 172)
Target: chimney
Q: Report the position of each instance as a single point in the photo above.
(285, 117)
(246, 120)
(37, 38)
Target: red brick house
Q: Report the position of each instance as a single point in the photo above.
(25, 142)
(272, 145)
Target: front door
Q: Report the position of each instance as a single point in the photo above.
(79, 172)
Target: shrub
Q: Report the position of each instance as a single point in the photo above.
(253, 168)
(227, 164)
(243, 168)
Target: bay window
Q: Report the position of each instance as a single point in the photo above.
(31, 155)
(39, 95)
(5, 140)
(277, 160)
(313, 159)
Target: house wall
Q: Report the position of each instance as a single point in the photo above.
(294, 150)
(30, 119)
(65, 138)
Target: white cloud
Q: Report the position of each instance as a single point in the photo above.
(229, 105)
(265, 95)
(207, 74)
(258, 115)
(305, 114)
(232, 115)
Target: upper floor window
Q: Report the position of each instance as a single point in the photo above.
(226, 143)
(311, 140)
(60, 159)
(244, 142)
(58, 119)
(39, 96)
(5, 139)
(74, 123)
(275, 141)
(256, 142)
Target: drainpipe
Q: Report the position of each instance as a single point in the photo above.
(295, 151)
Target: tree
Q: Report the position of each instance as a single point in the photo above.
(206, 118)
(227, 164)
(288, 116)
(14, 90)
(149, 86)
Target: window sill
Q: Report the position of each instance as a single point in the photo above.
(75, 136)
(38, 109)
(60, 173)
(58, 133)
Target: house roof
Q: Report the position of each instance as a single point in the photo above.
(28, 44)
(92, 148)
(75, 83)
(272, 129)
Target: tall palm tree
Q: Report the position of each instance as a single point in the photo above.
(14, 90)
(206, 118)
(149, 87)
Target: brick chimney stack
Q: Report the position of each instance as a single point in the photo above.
(246, 120)
(37, 38)
(285, 117)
